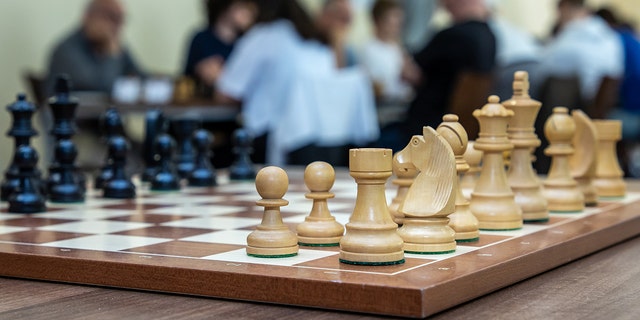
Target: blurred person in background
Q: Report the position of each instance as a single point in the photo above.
(466, 47)
(628, 110)
(383, 56)
(210, 47)
(516, 50)
(94, 55)
(334, 22)
(417, 28)
(294, 99)
(95, 58)
(584, 47)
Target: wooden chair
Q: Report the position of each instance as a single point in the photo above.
(470, 93)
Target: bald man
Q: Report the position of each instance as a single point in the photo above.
(93, 55)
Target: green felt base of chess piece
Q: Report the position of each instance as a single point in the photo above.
(476, 239)
(536, 220)
(319, 244)
(385, 263)
(512, 229)
(272, 256)
(432, 252)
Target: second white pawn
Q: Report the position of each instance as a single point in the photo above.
(320, 228)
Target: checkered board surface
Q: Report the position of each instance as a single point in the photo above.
(193, 242)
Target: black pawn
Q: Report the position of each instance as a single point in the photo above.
(182, 130)
(203, 174)
(166, 177)
(242, 168)
(67, 189)
(22, 131)
(119, 186)
(155, 124)
(28, 198)
(111, 124)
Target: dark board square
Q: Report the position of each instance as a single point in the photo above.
(38, 236)
(186, 248)
(149, 218)
(140, 207)
(164, 232)
(33, 221)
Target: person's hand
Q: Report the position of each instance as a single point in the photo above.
(209, 69)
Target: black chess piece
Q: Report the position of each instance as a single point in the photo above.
(119, 186)
(27, 199)
(111, 124)
(203, 174)
(155, 124)
(166, 177)
(242, 168)
(22, 131)
(182, 130)
(63, 108)
(67, 189)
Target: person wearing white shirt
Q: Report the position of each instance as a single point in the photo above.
(585, 47)
(285, 77)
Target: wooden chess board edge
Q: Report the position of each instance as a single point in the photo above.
(496, 277)
(429, 292)
(236, 286)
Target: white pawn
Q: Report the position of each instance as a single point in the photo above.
(320, 228)
(272, 238)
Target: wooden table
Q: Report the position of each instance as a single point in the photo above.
(92, 106)
(604, 285)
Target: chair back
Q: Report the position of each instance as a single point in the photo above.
(606, 98)
(470, 93)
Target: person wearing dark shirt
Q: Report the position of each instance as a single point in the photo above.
(468, 46)
(629, 109)
(210, 47)
(94, 56)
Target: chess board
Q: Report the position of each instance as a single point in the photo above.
(193, 242)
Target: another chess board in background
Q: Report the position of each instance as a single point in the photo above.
(192, 242)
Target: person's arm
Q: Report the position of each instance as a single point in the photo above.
(244, 66)
(209, 69)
